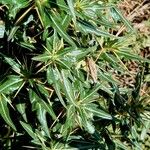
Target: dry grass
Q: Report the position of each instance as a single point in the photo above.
(138, 12)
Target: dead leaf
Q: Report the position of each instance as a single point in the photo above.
(92, 69)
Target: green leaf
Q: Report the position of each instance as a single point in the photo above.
(15, 5)
(138, 84)
(61, 31)
(15, 66)
(66, 21)
(68, 89)
(41, 136)
(42, 57)
(56, 42)
(42, 13)
(10, 84)
(115, 10)
(43, 90)
(41, 115)
(145, 130)
(62, 5)
(27, 45)
(35, 98)
(92, 92)
(73, 55)
(29, 130)
(98, 112)
(113, 61)
(2, 29)
(48, 108)
(4, 112)
(70, 120)
(21, 108)
(85, 121)
(90, 127)
(12, 33)
(132, 56)
(71, 7)
(87, 27)
(53, 77)
(106, 77)
(119, 144)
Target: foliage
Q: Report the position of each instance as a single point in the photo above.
(57, 88)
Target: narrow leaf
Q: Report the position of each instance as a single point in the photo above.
(53, 76)
(11, 84)
(48, 108)
(98, 112)
(68, 89)
(71, 7)
(29, 130)
(60, 30)
(42, 57)
(122, 18)
(21, 108)
(4, 112)
(15, 66)
(97, 87)
(89, 28)
(41, 115)
(132, 56)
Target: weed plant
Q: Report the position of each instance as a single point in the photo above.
(58, 60)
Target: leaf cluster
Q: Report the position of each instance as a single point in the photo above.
(57, 88)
